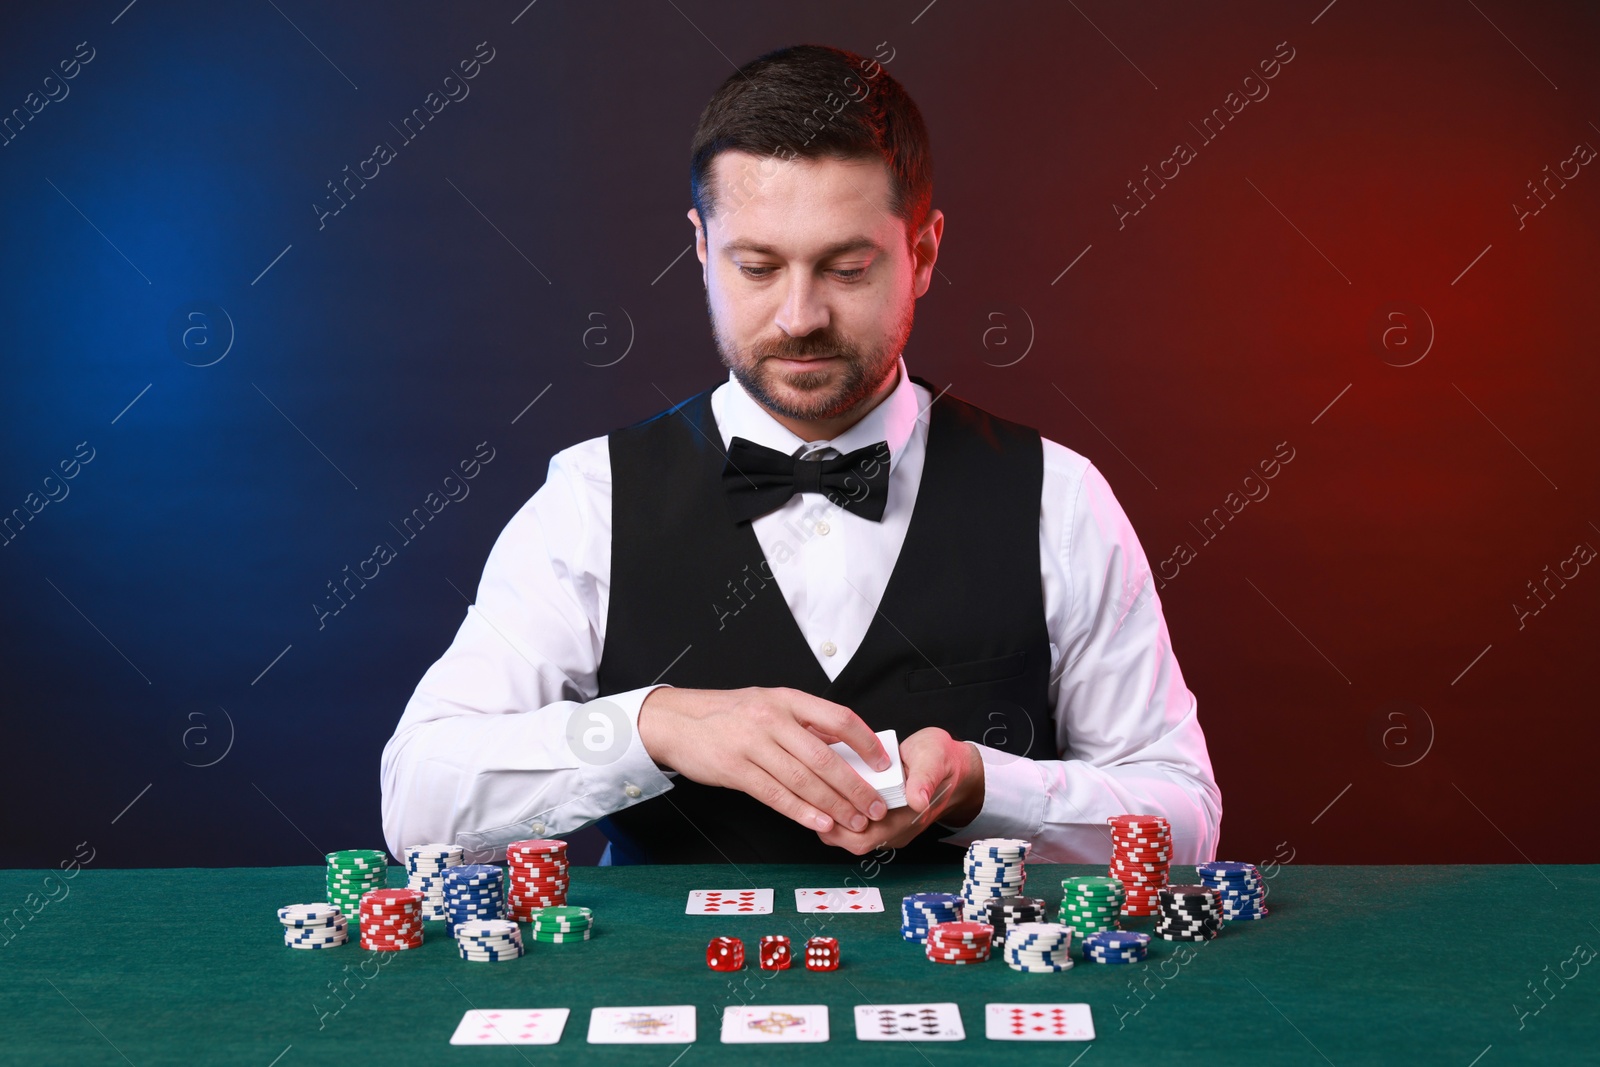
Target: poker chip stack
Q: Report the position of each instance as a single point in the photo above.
(725, 954)
(425, 866)
(1116, 946)
(773, 954)
(1244, 892)
(539, 878)
(352, 873)
(1141, 850)
(559, 924)
(1189, 913)
(1039, 948)
(994, 868)
(391, 919)
(959, 942)
(1001, 912)
(489, 940)
(922, 910)
(472, 892)
(822, 954)
(1092, 903)
(313, 926)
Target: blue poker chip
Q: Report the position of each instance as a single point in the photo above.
(1225, 868)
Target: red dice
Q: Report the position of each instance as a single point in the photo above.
(822, 954)
(725, 954)
(774, 953)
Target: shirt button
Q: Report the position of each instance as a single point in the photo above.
(829, 648)
(823, 528)
(537, 828)
(632, 790)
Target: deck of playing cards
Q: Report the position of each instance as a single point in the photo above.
(890, 783)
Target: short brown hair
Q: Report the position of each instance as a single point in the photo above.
(811, 101)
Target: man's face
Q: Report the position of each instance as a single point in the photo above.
(810, 283)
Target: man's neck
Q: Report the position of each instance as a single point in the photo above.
(828, 429)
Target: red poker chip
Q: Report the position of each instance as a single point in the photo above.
(393, 896)
(961, 927)
(1126, 821)
(537, 846)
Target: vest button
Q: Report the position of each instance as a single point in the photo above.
(829, 648)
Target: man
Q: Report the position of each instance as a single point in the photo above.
(874, 554)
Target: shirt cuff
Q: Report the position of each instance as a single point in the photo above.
(608, 781)
(1013, 800)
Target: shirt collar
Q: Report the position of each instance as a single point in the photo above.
(739, 414)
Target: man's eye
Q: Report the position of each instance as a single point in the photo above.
(850, 275)
(750, 272)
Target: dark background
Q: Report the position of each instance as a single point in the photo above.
(1368, 690)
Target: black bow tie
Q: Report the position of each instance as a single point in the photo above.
(760, 479)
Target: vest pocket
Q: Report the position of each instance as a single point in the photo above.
(968, 673)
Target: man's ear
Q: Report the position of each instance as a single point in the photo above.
(699, 241)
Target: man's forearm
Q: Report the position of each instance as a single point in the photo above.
(482, 779)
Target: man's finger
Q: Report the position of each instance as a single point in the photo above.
(829, 766)
(846, 726)
(925, 776)
(775, 795)
(801, 777)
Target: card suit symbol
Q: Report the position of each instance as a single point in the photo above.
(856, 907)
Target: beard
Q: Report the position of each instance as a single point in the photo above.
(835, 388)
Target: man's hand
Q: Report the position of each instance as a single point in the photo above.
(944, 778)
(771, 744)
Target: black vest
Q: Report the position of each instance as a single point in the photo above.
(958, 641)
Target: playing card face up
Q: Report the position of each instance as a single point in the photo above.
(730, 902)
(511, 1026)
(909, 1022)
(655, 1025)
(891, 783)
(1039, 1022)
(846, 901)
(774, 1024)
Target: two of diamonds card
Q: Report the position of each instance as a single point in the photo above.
(848, 900)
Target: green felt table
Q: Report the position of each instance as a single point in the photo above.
(1390, 965)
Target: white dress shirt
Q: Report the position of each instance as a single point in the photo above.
(481, 757)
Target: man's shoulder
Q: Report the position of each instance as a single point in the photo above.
(1062, 463)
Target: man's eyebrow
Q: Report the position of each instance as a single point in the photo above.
(849, 244)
